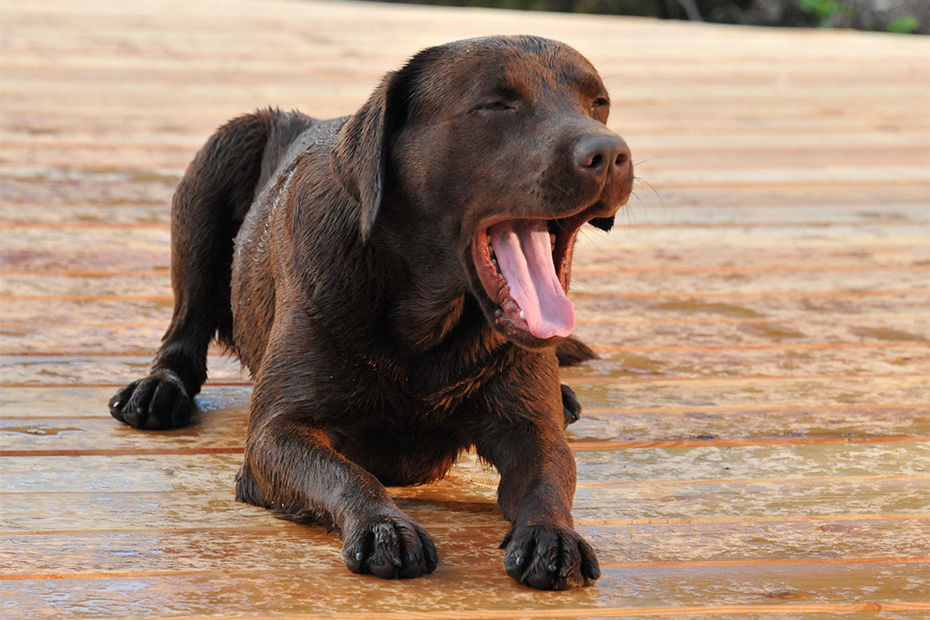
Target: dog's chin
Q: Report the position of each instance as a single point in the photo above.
(518, 333)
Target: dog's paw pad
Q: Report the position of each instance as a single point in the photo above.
(157, 402)
(550, 558)
(390, 548)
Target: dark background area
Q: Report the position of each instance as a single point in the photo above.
(899, 16)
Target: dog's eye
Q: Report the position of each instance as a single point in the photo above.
(600, 102)
(495, 106)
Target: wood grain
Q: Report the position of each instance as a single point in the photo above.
(756, 434)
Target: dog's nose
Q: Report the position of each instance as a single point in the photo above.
(601, 156)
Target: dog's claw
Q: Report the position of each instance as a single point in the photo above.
(159, 401)
(550, 558)
(391, 548)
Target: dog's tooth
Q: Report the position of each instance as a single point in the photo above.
(522, 315)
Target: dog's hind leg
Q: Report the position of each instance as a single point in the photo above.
(207, 210)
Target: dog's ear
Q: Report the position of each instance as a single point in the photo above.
(360, 150)
(604, 223)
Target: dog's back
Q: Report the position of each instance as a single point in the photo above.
(396, 282)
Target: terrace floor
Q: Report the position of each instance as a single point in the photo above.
(756, 440)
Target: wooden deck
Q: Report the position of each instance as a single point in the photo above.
(756, 439)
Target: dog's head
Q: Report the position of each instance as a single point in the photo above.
(497, 147)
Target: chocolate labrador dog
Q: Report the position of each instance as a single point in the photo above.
(395, 281)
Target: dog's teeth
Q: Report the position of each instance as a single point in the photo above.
(522, 315)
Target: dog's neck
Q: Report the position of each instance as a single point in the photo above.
(452, 363)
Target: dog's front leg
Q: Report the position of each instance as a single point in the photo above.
(293, 470)
(536, 489)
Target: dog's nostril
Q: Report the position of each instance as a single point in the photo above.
(600, 153)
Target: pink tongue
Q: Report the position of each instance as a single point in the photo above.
(524, 255)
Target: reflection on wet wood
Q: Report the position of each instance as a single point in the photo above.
(756, 436)
(451, 591)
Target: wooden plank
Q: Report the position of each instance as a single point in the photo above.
(85, 434)
(51, 370)
(157, 153)
(897, 244)
(451, 592)
(722, 311)
(46, 409)
(471, 500)
(683, 468)
(294, 547)
(755, 393)
(809, 340)
(612, 285)
(901, 167)
(650, 315)
(833, 346)
(750, 392)
(598, 284)
(790, 386)
(755, 440)
(37, 403)
(666, 508)
(890, 339)
(137, 187)
(890, 241)
(641, 212)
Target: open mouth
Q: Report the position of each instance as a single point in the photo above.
(524, 266)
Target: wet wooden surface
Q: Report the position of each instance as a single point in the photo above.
(755, 442)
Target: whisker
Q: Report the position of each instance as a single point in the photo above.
(561, 189)
(644, 161)
(654, 191)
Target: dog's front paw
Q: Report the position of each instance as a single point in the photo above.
(549, 557)
(391, 547)
(157, 402)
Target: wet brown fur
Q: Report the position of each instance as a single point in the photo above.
(333, 258)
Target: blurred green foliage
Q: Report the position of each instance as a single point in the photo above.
(823, 10)
(904, 25)
(726, 10)
(823, 13)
